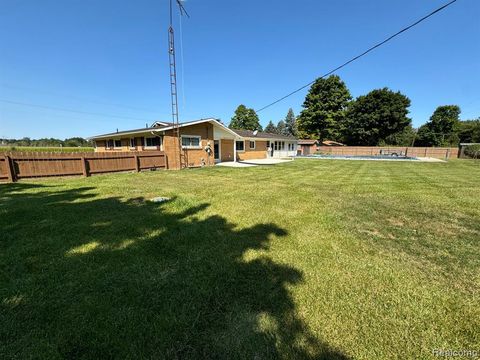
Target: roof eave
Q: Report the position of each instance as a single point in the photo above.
(123, 133)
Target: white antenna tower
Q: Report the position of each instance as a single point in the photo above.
(173, 76)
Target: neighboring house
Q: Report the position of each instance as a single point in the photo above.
(332, 143)
(196, 136)
(307, 146)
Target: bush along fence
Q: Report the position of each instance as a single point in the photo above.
(441, 153)
(18, 165)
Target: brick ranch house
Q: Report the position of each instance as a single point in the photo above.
(196, 136)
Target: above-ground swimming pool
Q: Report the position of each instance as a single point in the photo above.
(360, 157)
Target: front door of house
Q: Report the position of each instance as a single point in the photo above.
(216, 150)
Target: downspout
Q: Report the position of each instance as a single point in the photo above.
(159, 136)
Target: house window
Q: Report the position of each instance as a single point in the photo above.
(152, 142)
(133, 144)
(117, 143)
(279, 145)
(240, 145)
(252, 144)
(109, 144)
(191, 142)
(291, 147)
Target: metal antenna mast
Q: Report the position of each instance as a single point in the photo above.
(173, 77)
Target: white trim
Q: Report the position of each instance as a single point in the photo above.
(123, 134)
(190, 146)
(266, 139)
(234, 150)
(151, 129)
(211, 120)
(115, 145)
(240, 151)
(219, 151)
(250, 144)
(160, 123)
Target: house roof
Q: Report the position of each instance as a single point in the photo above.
(164, 126)
(161, 126)
(126, 132)
(261, 135)
(332, 143)
(307, 142)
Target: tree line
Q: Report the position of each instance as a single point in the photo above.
(247, 119)
(47, 142)
(377, 118)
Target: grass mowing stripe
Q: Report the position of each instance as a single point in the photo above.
(310, 259)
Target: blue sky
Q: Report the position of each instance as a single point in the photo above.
(110, 58)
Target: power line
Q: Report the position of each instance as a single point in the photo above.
(70, 110)
(361, 55)
(75, 97)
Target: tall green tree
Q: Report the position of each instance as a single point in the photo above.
(291, 123)
(271, 128)
(401, 138)
(375, 117)
(469, 131)
(282, 128)
(245, 119)
(325, 108)
(75, 142)
(442, 129)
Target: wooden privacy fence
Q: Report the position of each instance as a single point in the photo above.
(18, 165)
(441, 153)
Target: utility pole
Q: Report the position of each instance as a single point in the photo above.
(173, 78)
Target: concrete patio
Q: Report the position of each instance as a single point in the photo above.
(255, 162)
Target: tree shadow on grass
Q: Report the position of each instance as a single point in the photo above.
(89, 277)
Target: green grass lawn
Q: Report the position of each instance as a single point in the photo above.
(309, 259)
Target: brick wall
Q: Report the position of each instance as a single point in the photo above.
(189, 157)
(260, 151)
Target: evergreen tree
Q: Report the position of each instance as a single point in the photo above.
(282, 128)
(245, 119)
(270, 128)
(291, 123)
(324, 109)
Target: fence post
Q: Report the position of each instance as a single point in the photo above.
(84, 166)
(10, 169)
(137, 165)
(425, 152)
(447, 154)
(406, 151)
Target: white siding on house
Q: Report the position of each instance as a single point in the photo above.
(283, 148)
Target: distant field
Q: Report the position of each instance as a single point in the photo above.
(45, 149)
